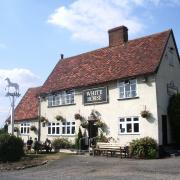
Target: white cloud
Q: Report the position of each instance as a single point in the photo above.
(24, 77)
(89, 20)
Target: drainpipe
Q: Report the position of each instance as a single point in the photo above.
(39, 115)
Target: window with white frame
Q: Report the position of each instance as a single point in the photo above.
(62, 98)
(64, 128)
(25, 128)
(127, 89)
(129, 125)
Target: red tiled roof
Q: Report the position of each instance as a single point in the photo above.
(27, 108)
(136, 57)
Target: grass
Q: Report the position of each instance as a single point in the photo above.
(47, 156)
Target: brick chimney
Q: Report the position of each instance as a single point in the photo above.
(118, 35)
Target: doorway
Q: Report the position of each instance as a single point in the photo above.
(164, 130)
(92, 129)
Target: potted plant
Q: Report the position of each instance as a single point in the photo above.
(43, 119)
(33, 128)
(77, 116)
(145, 114)
(84, 124)
(100, 124)
(16, 129)
(60, 118)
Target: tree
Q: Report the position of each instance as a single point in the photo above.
(174, 117)
(4, 130)
(78, 138)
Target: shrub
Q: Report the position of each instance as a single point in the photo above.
(78, 138)
(102, 138)
(11, 148)
(174, 116)
(145, 148)
(61, 143)
(81, 146)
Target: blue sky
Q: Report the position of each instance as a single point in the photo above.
(34, 33)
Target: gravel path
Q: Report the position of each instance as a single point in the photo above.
(100, 168)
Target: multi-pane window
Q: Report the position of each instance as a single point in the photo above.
(129, 125)
(62, 98)
(64, 128)
(25, 128)
(127, 89)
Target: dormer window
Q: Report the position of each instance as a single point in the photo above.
(127, 89)
(61, 98)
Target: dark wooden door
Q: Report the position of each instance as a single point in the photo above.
(93, 130)
(164, 129)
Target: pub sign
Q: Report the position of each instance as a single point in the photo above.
(95, 95)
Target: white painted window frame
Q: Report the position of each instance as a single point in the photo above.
(124, 124)
(61, 125)
(119, 82)
(25, 127)
(62, 98)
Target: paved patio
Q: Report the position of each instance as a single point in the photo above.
(78, 167)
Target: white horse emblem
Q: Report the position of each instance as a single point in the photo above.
(11, 84)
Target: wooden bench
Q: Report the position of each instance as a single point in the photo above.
(112, 149)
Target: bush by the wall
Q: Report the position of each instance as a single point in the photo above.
(61, 143)
(11, 148)
(144, 148)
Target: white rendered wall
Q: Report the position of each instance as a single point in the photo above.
(111, 111)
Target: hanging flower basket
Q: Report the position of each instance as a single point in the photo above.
(43, 119)
(16, 129)
(77, 116)
(145, 114)
(100, 124)
(60, 118)
(93, 115)
(33, 128)
(85, 125)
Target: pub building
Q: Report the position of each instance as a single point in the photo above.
(127, 84)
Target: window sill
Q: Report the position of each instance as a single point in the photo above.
(62, 105)
(121, 99)
(25, 134)
(71, 135)
(129, 134)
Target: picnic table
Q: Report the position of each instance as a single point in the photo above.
(112, 149)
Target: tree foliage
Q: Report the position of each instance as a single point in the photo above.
(4, 130)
